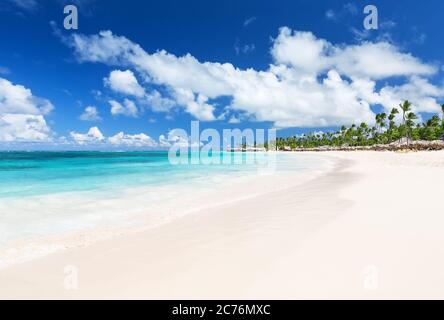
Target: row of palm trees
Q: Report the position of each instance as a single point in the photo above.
(385, 131)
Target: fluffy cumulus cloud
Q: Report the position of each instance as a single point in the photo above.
(419, 91)
(18, 99)
(306, 53)
(90, 114)
(22, 114)
(23, 128)
(164, 142)
(178, 138)
(94, 137)
(124, 82)
(195, 104)
(310, 82)
(137, 140)
(127, 108)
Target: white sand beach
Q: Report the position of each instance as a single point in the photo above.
(370, 228)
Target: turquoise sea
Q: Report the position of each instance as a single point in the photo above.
(53, 193)
(25, 174)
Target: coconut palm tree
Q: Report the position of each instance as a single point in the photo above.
(378, 121)
(392, 116)
(392, 123)
(409, 123)
(363, 135)
(382, 120)
(380, 124)
(406, 106)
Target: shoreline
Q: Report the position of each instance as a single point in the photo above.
(174, 236)
(351, 233)
(182, 203)
(416, 146)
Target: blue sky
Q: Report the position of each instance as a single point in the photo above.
(37, 54)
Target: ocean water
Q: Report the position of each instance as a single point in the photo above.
(54, 193)
(24, 174)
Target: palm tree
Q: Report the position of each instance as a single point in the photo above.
(431, 130)
(410, 121)
(392, 123)
(351, 133)
(406, 106)
(363, 135)
(380, 124)
(382, 119)
(378, 121)
(392, 116)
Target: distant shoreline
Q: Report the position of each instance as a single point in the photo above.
(437, 145)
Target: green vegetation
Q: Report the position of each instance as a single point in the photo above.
(385, 131)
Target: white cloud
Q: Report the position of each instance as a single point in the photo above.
(18, 99)
(23, 128)
(177, 138)
(303, 51)
(137, 140)
(234, 120)
(164, 142)
(128, 108)
(418, 91)
(365, 61)
(124, 82)
(90, 114)
(195, 104)
(311, 83)
(22, 114)
(93, 136)
(157, 103)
